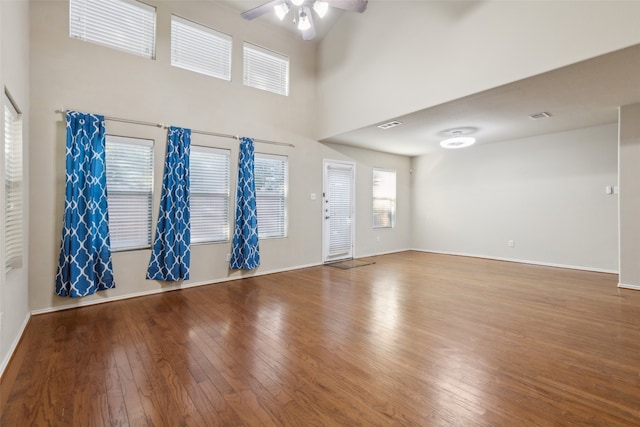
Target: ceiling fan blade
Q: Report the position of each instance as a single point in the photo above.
(358, 6)
(260, 10)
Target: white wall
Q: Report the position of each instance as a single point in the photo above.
(370, 241)
(79, 75)
(403, 56)
(83, 76)
(553, 184)
(14, 77)
(546, 193)
(629, 158)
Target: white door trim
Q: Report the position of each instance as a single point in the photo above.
(326, 163)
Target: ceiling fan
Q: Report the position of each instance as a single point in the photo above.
(302, 15)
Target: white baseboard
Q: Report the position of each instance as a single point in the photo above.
(382, 253)
(523, 261)
(14, 344)
(626, 286)
(80, 303)
(84, 303)
(246, 276)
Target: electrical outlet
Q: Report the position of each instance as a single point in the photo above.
(511, 243)
(228, 257)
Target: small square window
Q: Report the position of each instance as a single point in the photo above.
(200, 49)
(266, 70)
(126, 25)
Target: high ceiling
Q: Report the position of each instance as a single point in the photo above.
(577, 96)
(322, 25)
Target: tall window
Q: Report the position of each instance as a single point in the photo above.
(126, 25)
(13, 185)
(201, 49)
(270, 175)
(129, 163)
(266, 70)
(209, 193)
(384, 198)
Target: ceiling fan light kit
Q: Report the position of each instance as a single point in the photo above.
(302, 16)
(304, 22)
(281, 10)
(321, 8)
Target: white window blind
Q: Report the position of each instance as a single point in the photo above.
(126, 25)
(270, 175)
(209, 194)
(129, 163)
(340, 182)
(384, 198)
(201, 49)
(266, 70)
(13, 182)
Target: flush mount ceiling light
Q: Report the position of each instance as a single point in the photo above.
(457, 141)
(302, 16)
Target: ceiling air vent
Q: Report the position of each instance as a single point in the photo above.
(390, 125)
(538, 116)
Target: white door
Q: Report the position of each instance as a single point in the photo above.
(338, 210)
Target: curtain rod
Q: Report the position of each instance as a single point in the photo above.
(201, 132)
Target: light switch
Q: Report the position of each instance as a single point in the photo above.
(608, 189)
(313, 196)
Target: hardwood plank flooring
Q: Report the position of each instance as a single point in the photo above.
(415, 339)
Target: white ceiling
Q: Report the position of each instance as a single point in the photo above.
(577, 96)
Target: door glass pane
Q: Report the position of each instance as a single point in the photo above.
(340, 207)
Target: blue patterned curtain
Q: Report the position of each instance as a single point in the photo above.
(84, 266)
(171, 252)
(246, 251)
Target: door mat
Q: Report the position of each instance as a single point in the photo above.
(350, 263)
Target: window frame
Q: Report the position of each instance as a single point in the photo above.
(150, 144)
(178, 54)
(391, 212)
(13, 248)
(94, 27)
(284, 196)
(227, 196)
(251, 54)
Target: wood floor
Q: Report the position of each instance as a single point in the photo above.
(414, 339)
